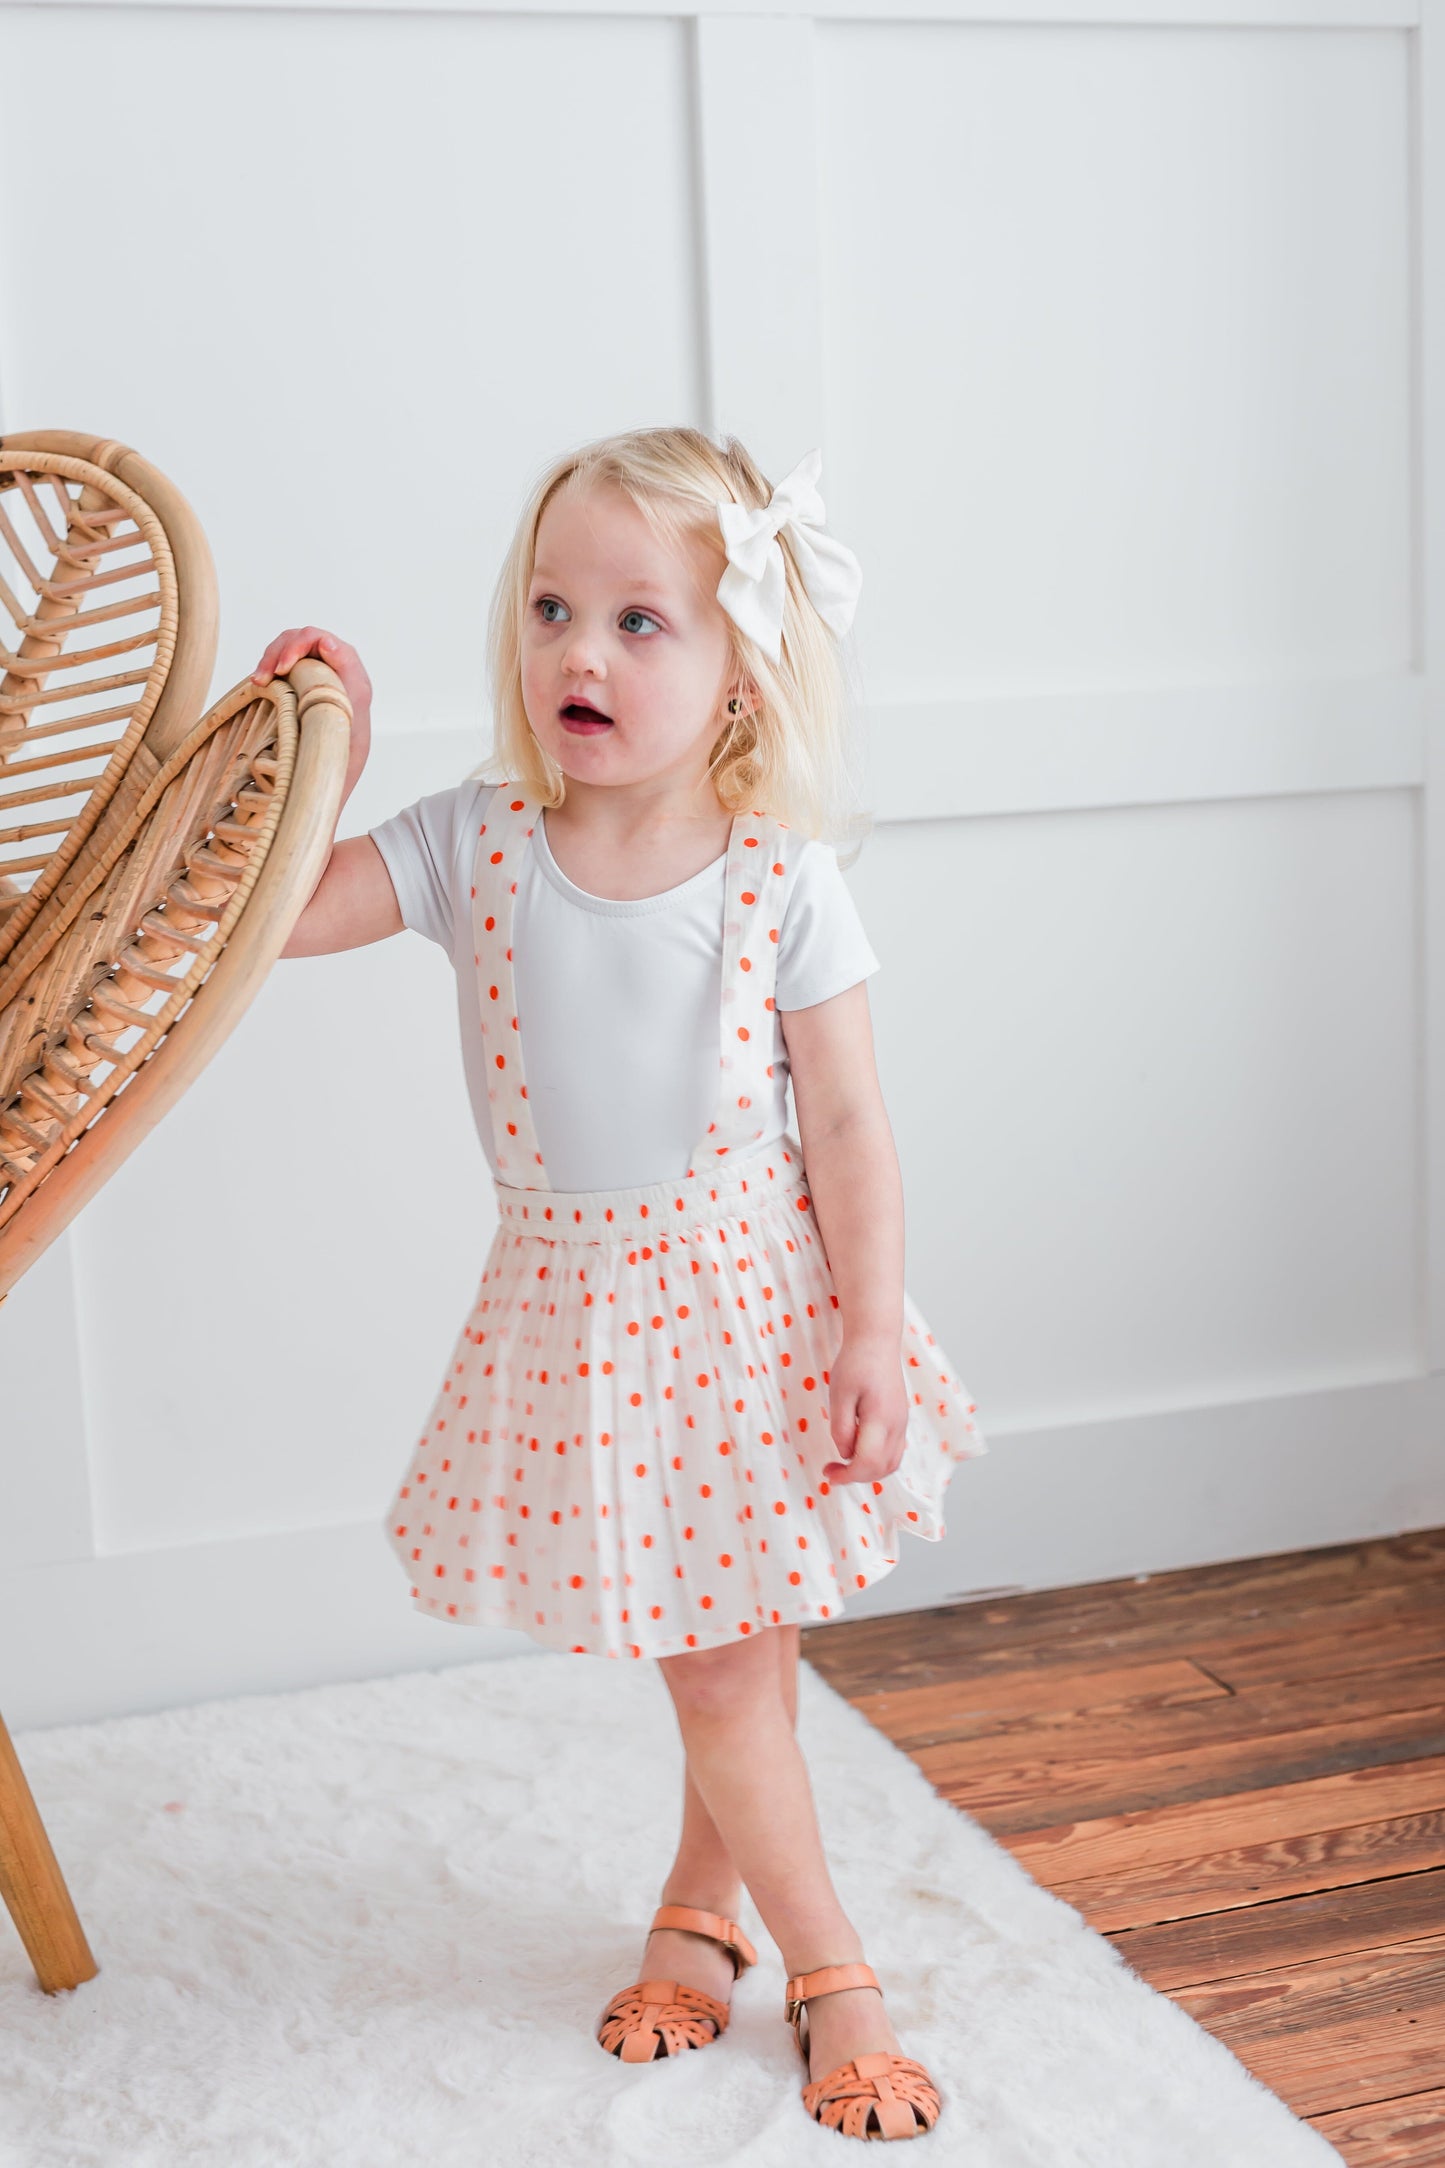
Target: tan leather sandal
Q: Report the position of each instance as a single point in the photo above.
(873, 2096)
(653, 2019)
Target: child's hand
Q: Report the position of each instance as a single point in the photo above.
(868, 1406)
(287, 649)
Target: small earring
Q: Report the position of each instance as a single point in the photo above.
(734, 707)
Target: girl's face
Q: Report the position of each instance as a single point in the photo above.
(627, 655)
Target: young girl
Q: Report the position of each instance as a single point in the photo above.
(693, 1405)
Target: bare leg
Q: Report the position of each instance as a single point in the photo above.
(749, 1772)
(703, 1872)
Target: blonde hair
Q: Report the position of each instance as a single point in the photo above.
(794, 755)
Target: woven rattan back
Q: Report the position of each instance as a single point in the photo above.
(108, 625)
(134, 832)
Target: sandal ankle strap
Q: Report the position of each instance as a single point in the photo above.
(827, 1980)
(715, 1927)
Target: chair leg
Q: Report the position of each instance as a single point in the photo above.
(33, 1887)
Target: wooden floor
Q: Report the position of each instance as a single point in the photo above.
(1237, 1774)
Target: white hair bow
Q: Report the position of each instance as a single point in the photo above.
(753, 587)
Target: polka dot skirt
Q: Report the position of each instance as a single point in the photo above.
(624, 1458)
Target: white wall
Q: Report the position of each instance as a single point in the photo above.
(1118, 339)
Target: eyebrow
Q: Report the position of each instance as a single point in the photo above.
(633, 586)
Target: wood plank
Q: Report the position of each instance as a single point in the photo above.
(1295, 1656)
(1252, 1874)
(1290, 1581)
(1113, 1843)
(1391, 2135)
(984, 1631)
(972, 1706)
(1010, 1803)
(943, 1645)
(1336, 2033)
(927, 1720)
(1058, 1781)
(1367, 1916)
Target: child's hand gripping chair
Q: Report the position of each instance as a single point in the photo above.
(153, 861)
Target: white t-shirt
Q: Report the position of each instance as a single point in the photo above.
(618, 1004)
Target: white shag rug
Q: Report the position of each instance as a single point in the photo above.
(371, 1927)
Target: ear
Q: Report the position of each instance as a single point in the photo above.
(741, 700)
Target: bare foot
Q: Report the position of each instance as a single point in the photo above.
(672, 1953)
(852, 2021)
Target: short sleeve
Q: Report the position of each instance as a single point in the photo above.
(426, 850)
(822, 948)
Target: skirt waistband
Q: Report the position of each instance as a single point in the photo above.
(771, 1174)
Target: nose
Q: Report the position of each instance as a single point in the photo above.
(582, 656)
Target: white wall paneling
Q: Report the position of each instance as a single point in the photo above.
(1121, 327)
(760, 213)
(1167, 745)
(45, 1475)
(375, 324)
(1214, 14)
(1428, 528)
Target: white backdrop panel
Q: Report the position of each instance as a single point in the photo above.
(351, 283)
(1116, 337)
(1152, 1077)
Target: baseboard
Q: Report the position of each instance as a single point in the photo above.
(1186, 1487)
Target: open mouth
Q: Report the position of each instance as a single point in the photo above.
(581, 715)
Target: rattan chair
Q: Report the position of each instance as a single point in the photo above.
(153, 861)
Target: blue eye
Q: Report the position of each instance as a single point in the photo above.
(551, 611)
(634, 621)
